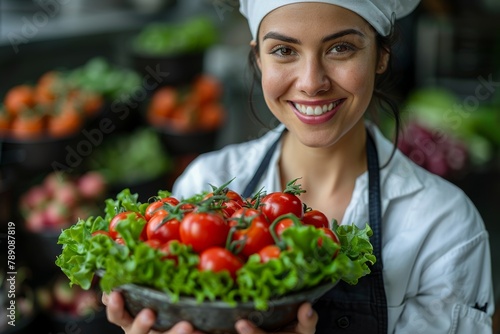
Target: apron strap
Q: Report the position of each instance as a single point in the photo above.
(374, 201)
(252, 185)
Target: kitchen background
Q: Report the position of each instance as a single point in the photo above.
(100, 79)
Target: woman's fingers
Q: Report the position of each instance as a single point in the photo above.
(115, 310)
(306, 324)
(117, 315)
(307, 319)
(143, 321)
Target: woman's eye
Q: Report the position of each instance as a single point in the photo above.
(341, 48)
(282, 51)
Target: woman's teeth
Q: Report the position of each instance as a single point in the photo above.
(317, 110)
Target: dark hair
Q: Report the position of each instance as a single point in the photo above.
(384, 83)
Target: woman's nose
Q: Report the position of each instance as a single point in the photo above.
(313, 78)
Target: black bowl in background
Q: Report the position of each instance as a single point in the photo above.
(182, 143)
(41, 250)
(38, 154)
(168, 70)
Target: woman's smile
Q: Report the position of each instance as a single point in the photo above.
(316, 112)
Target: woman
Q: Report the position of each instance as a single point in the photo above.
(319, 63)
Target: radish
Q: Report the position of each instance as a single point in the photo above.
(92, 185)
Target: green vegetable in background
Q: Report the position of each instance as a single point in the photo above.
(131, 158)
(99, 75)
(193, 35)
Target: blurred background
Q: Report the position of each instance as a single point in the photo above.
(96, 96)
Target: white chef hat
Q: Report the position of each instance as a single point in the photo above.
(379, 13)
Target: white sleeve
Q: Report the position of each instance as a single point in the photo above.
(456, 294)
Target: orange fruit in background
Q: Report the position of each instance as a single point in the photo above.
(211, 116)
(27, 126)
(19, 98)
(65, 121)
(45, 89)
(206, 89)
(164, 101)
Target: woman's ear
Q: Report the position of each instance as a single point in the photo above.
(383, 61)
(253, 46)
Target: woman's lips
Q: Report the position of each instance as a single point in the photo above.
(317, 113)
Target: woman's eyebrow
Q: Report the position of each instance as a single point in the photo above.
(283, 38)
(343, 33)
(287, 39)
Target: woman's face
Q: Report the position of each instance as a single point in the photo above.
(318, 64)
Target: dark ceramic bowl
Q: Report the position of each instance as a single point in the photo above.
(38, 154)
(168, 70)
(44, 245)
(217, 317)
(181, 143)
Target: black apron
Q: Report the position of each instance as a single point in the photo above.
(360, 308)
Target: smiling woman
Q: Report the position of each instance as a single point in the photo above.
(320, 65)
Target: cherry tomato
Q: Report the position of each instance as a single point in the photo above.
(279, 203)
(217, 259)
(269, 252)
(163, 227)
(282, 225)
(153, 243)
(233, 202)
(315, 218)
(113, 233)
(203, 230)
(329, 234)
(161, 204)
(165, 248)
(256, 236)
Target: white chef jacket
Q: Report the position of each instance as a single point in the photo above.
(435, 249)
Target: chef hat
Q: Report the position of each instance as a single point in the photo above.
(379, 13)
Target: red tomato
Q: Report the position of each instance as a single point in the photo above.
(161, 204)
(203, 230)
(163, 227)
(122, 216)
(269, 252)
(279, 203)
(329, 234)
(231, 204)
(165, 248)
(153, 243)
(217, 259)
(315, 218)
(256, 236)
(282, 225)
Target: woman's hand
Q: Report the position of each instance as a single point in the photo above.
(115, 310)
(306, 324)
(142, 323)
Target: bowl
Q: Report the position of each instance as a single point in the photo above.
(38, 154)
(217, 317)
(193, 142)
(168, 70)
